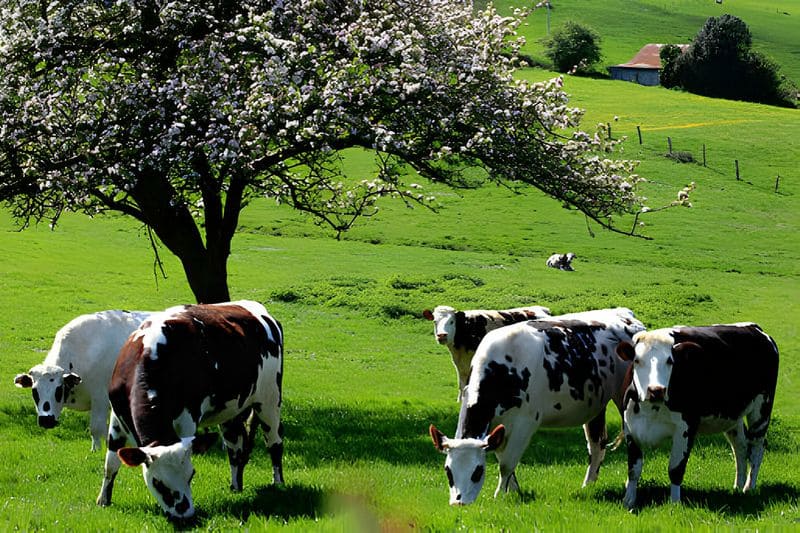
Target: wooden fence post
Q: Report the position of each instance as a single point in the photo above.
(669, 143)
(777, 182)
(639, 131)
(737, 169)
(704, 154)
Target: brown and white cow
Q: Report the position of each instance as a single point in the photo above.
(189, 367)
(559, 371)
(77, 368)
(691, 380)
(462, 331)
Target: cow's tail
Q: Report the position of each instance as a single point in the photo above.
(617, 441)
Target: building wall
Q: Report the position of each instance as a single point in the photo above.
(638, 75)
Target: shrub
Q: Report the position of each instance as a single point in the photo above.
(573, 47)
(681, 156)
(720, 63)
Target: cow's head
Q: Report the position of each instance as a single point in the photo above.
(444, 323)
(50, 387)
(168, 471)
(654, 353)
(465, 465)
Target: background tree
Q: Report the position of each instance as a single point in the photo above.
(720, 63)
(573, 47)
(180, 113)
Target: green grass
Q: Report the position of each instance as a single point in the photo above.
(626, 25)
(363, 376)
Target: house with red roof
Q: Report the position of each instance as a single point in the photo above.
(644, 68)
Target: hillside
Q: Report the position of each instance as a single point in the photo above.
(624, 26)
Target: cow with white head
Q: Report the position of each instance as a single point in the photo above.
(77, 369)
(687, 381)
(462, 331)
(191, 367)
(557, 371)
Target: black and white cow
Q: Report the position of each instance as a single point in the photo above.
(561, 261)
(189, 367)
(462, 331)
(690, 380)
(554, 372)
(77, 369)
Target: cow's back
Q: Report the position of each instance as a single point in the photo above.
(559, 369)
(736, 364)
(201, 361)
(89, 345)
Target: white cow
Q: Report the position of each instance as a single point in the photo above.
(78, 366)
(559, 371)
(462, 331)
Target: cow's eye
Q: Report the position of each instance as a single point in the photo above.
(669, 361)
(637, 361)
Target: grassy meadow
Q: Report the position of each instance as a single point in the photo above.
(625, 26)
(363, 375)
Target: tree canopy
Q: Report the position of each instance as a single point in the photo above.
(180, 113)
(573, 47)
(720, 63)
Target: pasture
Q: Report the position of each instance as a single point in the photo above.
(363, 375)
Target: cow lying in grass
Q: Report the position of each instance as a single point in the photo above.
(691, 380)
(77, 369)
(555, 372)
(561, 261)
(462, 331)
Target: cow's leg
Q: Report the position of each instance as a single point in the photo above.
(596, 440)
(117, 438)
(635, 463)
(682, 442)
(238, 444)
(98, 420)
(270, 419)
(736, 437)
(755, 434)
(509, 455)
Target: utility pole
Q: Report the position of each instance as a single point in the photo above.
(547, 6)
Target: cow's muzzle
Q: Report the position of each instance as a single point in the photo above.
(656, 394)
(441, 338)
(48, 422)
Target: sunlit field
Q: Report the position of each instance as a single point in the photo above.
(363, 375)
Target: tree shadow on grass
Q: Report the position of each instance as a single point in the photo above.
(283, 502)
(718, 500)
(320, 435)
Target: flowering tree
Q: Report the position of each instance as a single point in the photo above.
(180, 113)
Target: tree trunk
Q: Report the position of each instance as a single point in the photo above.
(205, 266)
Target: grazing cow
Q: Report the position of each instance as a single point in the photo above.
(690, 380)
(190, 367)
(462, 331)
(77, 369)
(554, 372)
(561, 261)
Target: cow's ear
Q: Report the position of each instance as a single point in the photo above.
(427, 314)
(201, 443)
(438, 438)
(495, 438)
(625, 351)
(71, 379)
(23, 381)
(682, 350)
(133, 456)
